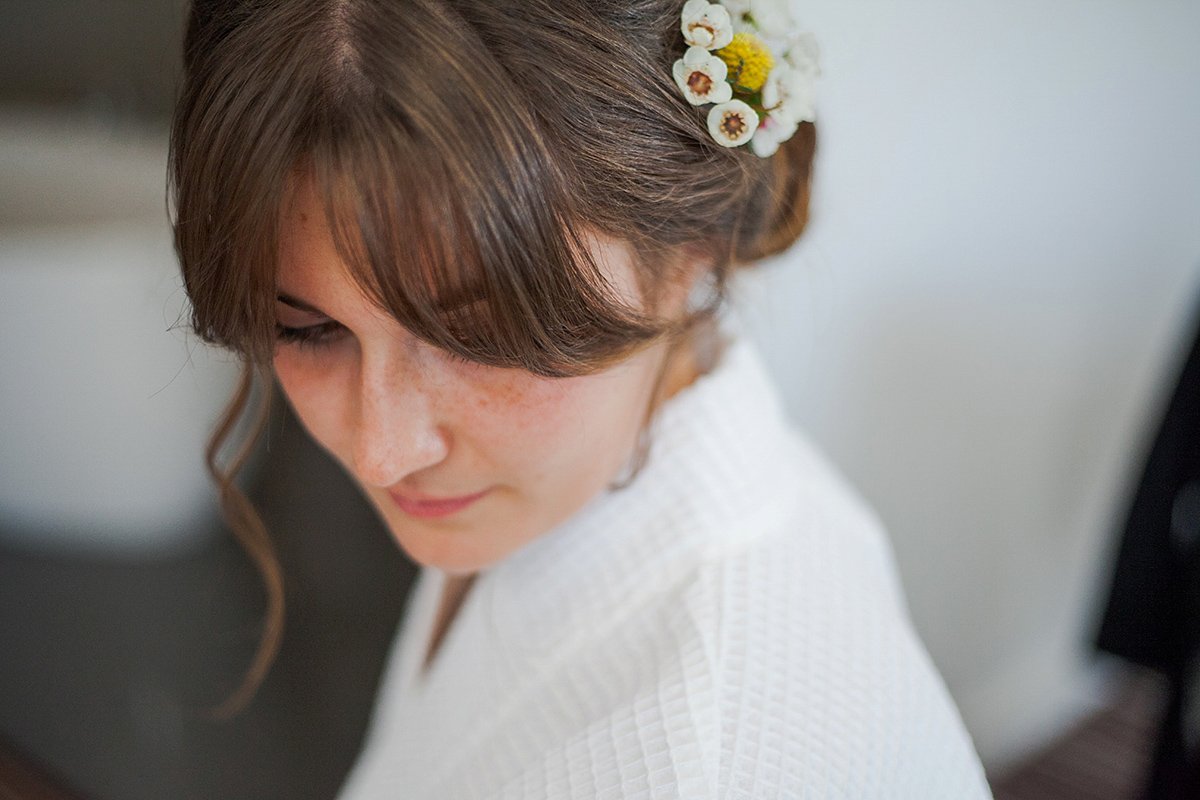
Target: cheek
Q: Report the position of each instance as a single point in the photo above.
(317, 394)
(516, 418)
(559, 430)
(545, 436)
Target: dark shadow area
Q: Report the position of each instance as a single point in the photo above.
(108, 669)
(112, 56)
(1106, 756)
(1152, 617)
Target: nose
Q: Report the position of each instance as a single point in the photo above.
(397, 431)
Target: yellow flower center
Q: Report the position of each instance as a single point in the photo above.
(749, 61)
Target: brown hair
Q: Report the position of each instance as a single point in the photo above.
(462, 149)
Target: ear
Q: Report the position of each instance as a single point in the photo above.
(687, 280)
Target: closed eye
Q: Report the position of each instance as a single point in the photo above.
(321, 330)
(314, 336)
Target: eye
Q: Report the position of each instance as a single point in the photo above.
(314, 336)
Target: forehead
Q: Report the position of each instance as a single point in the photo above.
(310, 259)
(310, 266)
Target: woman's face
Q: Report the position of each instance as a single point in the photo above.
(465, 462)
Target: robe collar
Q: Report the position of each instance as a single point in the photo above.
(721, 473)
(716, 477)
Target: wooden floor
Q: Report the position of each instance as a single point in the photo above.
(1106, 757)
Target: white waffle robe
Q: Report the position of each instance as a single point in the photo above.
(730, 625)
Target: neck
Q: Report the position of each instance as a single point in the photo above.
(694, 355)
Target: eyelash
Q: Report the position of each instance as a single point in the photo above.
(325, 333)
(313, 336)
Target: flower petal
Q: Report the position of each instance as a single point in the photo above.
(789, 95)
(703, 79)
(706, 24)
(732, 123)
(770, 134)
(773, 17)
(695, 56)
(804, 54)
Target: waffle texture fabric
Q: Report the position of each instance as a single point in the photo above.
(729, 625)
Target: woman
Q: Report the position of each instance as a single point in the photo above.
(483, 244)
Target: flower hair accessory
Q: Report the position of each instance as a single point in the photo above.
(746, 58)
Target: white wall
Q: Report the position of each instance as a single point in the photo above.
(105, 400)
(977, 327)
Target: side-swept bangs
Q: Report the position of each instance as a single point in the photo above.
(466, 153)
(443, 196)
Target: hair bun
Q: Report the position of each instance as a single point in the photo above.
(780, 211)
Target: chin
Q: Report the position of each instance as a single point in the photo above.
(455, 551)
(454, 546)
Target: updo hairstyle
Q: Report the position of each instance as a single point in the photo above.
(464, 150)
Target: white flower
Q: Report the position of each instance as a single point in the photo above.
(706, 25)
(773, 17)
(736, 7)
(742, 26)
(770, 134)
(789, 95)
(732, 123)
(701, 77)
(804, 54)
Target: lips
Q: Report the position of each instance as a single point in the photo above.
(433, 507)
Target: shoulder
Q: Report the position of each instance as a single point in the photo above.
(822, 687)
(728, 626)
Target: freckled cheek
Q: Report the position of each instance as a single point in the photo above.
(525, 421)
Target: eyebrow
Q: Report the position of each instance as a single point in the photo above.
(299, 304)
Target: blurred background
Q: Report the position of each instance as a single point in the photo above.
(983, 328)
